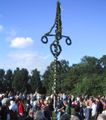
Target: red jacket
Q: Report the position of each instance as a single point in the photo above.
(20, 108)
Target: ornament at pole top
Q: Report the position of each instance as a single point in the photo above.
(55, 46)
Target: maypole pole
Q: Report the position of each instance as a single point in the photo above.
(55, 47)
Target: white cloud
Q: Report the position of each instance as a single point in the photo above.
(29, 60)
(1, 28)
(21, 42)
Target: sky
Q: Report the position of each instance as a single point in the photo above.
(24, 22)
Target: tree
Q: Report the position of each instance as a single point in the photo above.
(48, 76)
(48, 80)
(35, 80)
(90, 85)
(2, 74)
(103, 61)
(92, 64)
(20, 79)
(8, 78)
(62, 75)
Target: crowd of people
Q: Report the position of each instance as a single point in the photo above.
(18, 106)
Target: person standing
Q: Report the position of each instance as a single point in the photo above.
(94, 110)
(5, 112)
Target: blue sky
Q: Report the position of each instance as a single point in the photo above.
(23, 22)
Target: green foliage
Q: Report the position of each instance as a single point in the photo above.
(35, 81)
(2, 72)
(48, 77)
(86, 77)
(20, 79)
(103, 61)
(9, 78)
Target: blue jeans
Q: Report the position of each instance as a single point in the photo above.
(58, 115)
